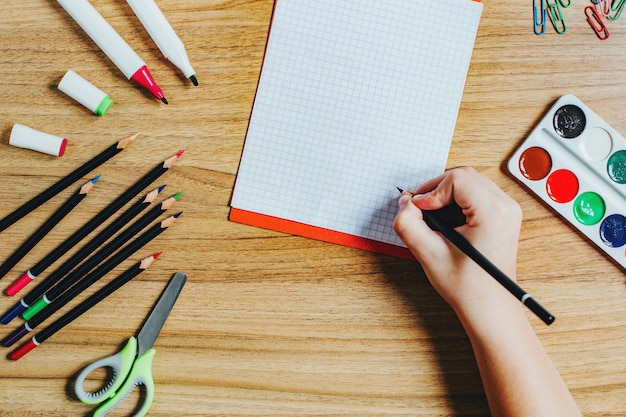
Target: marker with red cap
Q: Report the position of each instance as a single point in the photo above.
(112, 44)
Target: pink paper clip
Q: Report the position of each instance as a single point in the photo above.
(596, 23)
(605, 7)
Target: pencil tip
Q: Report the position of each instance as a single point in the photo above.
(95, 180)
(164, 100)
(194, 80)
(177, 195)
(400, 189)
(156, 255)
(177, 215)
(160, 189)
(180, 153)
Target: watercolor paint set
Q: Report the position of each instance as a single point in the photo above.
(576, 163)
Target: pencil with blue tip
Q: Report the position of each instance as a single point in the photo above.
(87, 228)
(97, 256)
(48, 225)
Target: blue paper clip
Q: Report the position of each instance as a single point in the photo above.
(617, 7)
(540, 21)
(595, 21)
(556, 17)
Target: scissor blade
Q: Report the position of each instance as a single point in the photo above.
(151, 328)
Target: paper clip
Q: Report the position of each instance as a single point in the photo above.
(556, 17)
(540, 21)
(596, 23)
(617, 7)
(605, 7)
(565, 3)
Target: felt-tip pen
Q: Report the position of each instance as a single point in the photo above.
(163, 35)
(112, 44)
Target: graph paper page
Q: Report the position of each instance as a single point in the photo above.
(355, 98)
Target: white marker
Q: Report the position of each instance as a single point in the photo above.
(163, 35)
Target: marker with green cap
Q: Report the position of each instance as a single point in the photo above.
(85, 93)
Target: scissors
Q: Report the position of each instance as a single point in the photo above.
(132, 365)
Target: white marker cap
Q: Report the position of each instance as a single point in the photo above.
(29, 138)
(85, 93)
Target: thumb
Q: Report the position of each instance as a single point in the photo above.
(409, 225)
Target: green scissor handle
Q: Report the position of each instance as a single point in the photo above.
(140, 374)
(120, 364)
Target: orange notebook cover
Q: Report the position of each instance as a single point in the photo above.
(355, 98)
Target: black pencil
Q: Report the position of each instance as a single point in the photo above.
(144, 181)
(63, 281)
(47, 226)
(116, 204)
(84, 306)
(65, 182)
(87, 228)
(434, 222)
(53, 305)
(89, 249)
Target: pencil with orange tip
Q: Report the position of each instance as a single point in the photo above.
(88, 280)
(65, 182)
(85, 305)
(82, 232)
(48, 225)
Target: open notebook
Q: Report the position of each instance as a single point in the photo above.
(355, 98)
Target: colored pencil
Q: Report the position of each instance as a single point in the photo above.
(143, 182)
(80, 255)
(87, 228)
(65, 182)
(434, 222)
(63, 282)
(47, 226)
(93, 276)
(85, 305)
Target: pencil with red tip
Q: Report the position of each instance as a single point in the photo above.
(84, 306)
(65, 182)
(48, 225)
(66, 267)
(88, 280)
(62, 283)
(87, 228)
(112, 44)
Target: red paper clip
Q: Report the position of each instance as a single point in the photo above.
(596, 23)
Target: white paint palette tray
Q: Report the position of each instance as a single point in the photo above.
(575, 162)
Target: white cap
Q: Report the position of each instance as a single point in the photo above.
(85, 93)
(29, 138)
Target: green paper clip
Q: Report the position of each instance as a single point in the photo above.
(617, 7)
(556, 17)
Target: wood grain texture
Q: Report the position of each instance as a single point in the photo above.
(270, 324)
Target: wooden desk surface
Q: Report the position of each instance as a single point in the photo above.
(271, 324)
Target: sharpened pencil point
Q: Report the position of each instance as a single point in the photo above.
(180, 153)
(95, 180)
(125, 142)
(156, 255)
(161, 188)
(400, 189)
(177, 215)
(177, 195)
(194, 80)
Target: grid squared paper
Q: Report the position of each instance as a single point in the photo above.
(355, 98)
